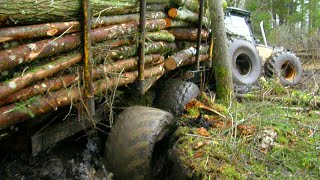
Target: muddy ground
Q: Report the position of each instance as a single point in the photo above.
(72, 159)
(82, 157)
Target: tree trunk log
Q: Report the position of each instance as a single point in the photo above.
(101, 53)
(57, 28)
(38, 73)
(221, 61)
(188, 34)
(67, 80)
(177, 24)
(29, 52)
(192, 5)
(178, 59)
(47, 70)
(12, 114)
(31, 11)
(184, 14)
(162, 35)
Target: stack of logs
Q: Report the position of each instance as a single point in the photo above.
(40, 49)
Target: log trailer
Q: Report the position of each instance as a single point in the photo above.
(64, 55)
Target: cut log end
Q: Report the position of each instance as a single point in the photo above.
(170, 63)
(168, 20)
(173, 12)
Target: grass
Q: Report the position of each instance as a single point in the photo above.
(285, 142)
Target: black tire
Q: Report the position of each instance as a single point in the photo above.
(176, 94)
(284, 66)
(246, 63)
(130, 146)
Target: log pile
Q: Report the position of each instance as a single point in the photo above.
(41, 49)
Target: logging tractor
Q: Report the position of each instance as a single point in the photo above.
(73, 58)
(251, 59)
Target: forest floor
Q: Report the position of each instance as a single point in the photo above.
(250, 139)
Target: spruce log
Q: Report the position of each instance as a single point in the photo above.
(188, 34)
(184, 14)
(202, 57)
(57, 28)
(40, 72)
(162, 35)
(37, 11)
(177, 24)
(67, 80)
(39, 88)
(192, 5)
(29, 52)
(179, 58)
(47, 70)
(101, 53)
(12, 114)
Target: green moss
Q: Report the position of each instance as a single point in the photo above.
(229, 172)
(194, 112)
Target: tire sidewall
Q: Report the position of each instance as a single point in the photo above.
(285, 57)
(237, 48)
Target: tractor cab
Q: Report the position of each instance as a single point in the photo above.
(238, 23)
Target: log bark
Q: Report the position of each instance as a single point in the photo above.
(29, 52)
(57, 28)
(222, 67)
(162, 35)
(192, 5)
(47, 70)
(101, 53)
(188, 34)
(67, 80)
(41, 72)
(31, 11)
(10, 115)
(178, 59)
(177, 24)
(184, 14)
(39, 88)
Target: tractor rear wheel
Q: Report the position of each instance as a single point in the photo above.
(284, 66)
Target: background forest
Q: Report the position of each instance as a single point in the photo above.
(294, 24)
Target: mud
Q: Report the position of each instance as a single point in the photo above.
(71, 159)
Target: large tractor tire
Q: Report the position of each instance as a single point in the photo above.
(176, 94)
(284, 66)
(131, 149)
(246, 63)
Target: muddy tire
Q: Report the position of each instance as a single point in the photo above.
(130, 147)
(175, 94)
(285, 67)
(246, 63)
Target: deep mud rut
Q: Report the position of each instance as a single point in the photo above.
(71, 159)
